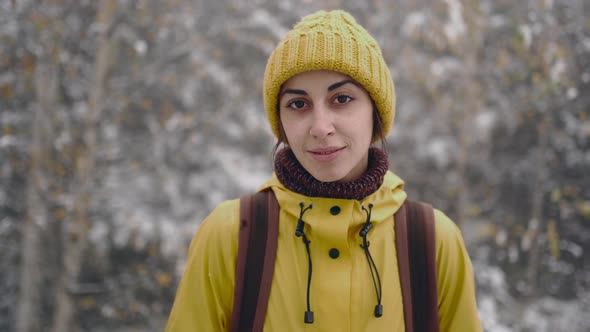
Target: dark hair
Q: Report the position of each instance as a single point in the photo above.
(377, 130)
(282, 136)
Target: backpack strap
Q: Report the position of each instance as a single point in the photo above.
(416, 251)
(257, 248)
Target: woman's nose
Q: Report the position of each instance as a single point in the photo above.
(322, 123)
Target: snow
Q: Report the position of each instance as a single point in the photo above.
(140, 47)
(413, 22)
(488, 313)
(527, 35)
(217, 73)
(572, 247)
(572, 93)
(444, 67)
(7, 141)
(485, 122)
(263, 18)
(498, 21)
(438, 150)
(558, 70)
(455, 27)
(248, 175)
(499, 311)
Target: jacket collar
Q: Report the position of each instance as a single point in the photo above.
(386, 201)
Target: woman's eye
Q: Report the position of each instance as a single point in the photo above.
(343, 99)
(296, 104)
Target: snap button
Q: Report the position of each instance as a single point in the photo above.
(334, 210)
(334, 253)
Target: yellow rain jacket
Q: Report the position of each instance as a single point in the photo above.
(342, 293)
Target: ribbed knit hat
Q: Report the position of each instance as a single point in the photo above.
(330, 41)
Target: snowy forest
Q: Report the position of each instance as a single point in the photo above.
(124, 122)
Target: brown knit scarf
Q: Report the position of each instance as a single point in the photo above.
(293, 176)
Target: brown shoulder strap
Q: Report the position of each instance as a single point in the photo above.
(416, 246)
(259, 226)
(403, 264)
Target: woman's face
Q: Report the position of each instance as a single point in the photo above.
(328, 122)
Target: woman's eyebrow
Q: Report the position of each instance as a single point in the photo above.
(339, 84)
(330, 88)
(293, 91)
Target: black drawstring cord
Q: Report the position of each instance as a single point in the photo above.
(299, 232)
(308, 318)
(372, 266)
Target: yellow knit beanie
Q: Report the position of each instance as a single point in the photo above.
(330, 41)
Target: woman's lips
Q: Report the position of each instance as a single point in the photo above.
(325, 154)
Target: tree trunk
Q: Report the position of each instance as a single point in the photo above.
(77, 235)
(471, 107)
(537, 223)
(28, 316)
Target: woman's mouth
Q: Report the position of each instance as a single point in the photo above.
(325, 154)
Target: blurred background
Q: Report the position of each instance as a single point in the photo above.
(123, 123)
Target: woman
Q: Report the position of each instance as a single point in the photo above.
(328, 95)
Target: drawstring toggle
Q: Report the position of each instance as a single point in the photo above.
(379, 310)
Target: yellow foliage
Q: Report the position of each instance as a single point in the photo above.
(135, 307)
(58, 169)
(39, 20)
(87, 303)
(519, 230)
(583, 208)
(553, 239)
(473, 210)
(487, 231)
(60, 213)
(153, 250)
(166, 111)
(6, 91)
(555, 195)
(147, 104)
(141, 269)
(28, 64)
(7, 131)
(164, 279)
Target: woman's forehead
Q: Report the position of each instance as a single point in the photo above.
(315, 78)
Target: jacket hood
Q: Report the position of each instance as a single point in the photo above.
(386, 201)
